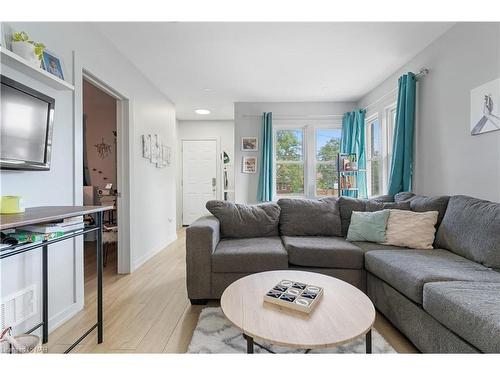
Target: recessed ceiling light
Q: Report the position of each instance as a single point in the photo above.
(202, 111)
(207, 89)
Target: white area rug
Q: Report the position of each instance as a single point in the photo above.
(215, 334)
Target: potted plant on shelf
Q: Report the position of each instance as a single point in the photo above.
(27, 49)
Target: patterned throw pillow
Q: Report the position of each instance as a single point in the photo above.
(415, 230)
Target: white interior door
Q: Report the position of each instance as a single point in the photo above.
(199, 177)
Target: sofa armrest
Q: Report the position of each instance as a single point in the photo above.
(202, 238)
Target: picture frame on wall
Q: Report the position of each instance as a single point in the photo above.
(159, 163)
(249, 144)
(484, 104)
(146, 146)
(155, 148)
(52, 64)
(166, 155)
(249, 164)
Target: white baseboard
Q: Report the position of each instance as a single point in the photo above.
(143, 259)
(65, 315)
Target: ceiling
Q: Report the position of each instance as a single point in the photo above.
(212, 65)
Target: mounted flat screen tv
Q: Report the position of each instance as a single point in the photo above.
(26, 127)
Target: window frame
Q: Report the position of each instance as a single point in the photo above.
(390, 123)
(276, 196)
(385, 117)
(318, 162)
(309, 129)
(368, 148)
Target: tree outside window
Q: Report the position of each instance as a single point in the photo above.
(327, 149)
(289, 148)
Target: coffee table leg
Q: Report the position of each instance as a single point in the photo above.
(369, 342)
(249, 344)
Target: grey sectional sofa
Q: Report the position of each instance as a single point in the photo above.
(445, 300)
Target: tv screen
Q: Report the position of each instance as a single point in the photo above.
(25, 127)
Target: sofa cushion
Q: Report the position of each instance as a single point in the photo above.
(246, 221)
(249, 255)
(471, 228)
(373, 206)
(408, 270)
(347, 206)
(326, 252)
(383, 198)
(372, 246)
(310, 217)
(470, 309)
(421, 203)
(403, 196)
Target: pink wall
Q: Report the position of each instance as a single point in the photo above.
(100, 111)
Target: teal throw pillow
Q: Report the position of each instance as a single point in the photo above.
(368, 226)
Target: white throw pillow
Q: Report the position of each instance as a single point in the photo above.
(411, 229)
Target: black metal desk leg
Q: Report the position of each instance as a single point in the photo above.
(99, 220)
(369, 342)
(45, 294)
(249, 344)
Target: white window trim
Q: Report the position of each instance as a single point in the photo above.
(309, 153)
(335, 126)
(304, 158)
(368, 121)
(388, 128)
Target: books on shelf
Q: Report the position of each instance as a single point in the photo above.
(66, 225)
(348, 181)
(348, 162)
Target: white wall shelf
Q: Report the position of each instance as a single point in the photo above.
(16, 62)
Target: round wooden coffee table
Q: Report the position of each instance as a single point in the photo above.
(343, 314)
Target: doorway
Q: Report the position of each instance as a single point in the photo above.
(100, 177)
(199, 177)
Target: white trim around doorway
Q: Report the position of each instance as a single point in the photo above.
(124, 161)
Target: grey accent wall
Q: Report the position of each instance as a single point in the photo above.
(447, 158)
(245, 126)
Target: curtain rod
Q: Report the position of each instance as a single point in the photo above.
(422, 73)
(297, 117)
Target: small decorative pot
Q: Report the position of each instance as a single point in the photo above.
(26, 51)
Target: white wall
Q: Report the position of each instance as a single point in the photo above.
(152, 214)
(246, 126)
(448, 160)
(220, 129)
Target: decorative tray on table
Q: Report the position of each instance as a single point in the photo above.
(295, 295)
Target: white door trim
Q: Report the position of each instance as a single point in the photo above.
(123, 169)
(219, 171)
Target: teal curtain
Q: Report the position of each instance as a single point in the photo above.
(265, 190)
(353, 141)
(400, 177)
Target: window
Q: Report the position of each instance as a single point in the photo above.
(374, 158)
(391, 123)
(327, 148)
(305, 159)
(289, 158)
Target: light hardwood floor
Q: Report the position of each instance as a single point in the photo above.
(148, 311)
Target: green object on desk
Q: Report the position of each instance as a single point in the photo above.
(23, 236)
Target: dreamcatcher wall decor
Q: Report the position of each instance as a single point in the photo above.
(103, 149)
